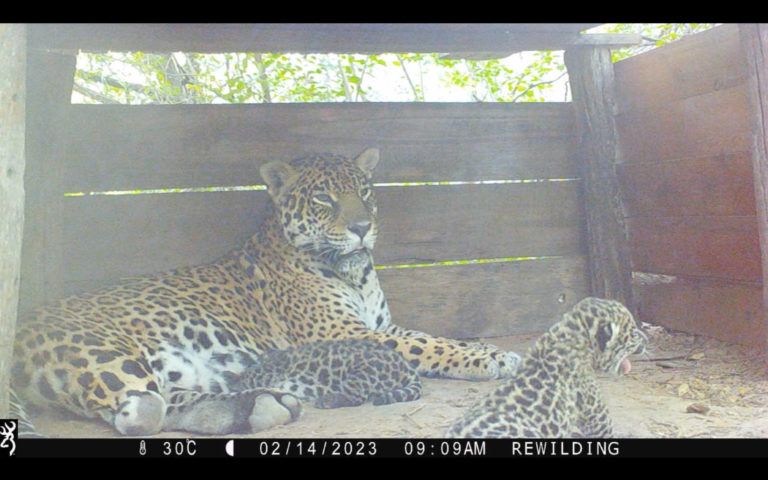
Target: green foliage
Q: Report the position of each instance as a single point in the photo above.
(252, 77)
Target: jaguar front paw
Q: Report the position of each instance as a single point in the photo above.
(507, 363)
(484, 366)
(271, 408)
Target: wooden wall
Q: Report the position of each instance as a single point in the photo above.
(13, 42)
(80, 242)
(686, 174)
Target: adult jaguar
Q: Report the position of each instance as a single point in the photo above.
(151, 353)
(554, 393)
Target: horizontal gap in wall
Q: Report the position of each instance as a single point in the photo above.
(248, 188)
(476, 261)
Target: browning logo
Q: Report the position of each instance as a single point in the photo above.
(9, 432)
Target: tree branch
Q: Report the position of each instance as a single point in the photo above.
(93, 95)
(408, 77)
(263, 79)
(534, 85)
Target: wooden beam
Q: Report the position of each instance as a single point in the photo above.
(754, 40)
(607, 40)
(564, 42)
(592, 82)
(13, 43)
(49, 89)
(306, 38)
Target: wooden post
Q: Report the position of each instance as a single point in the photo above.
(592, 83)
(754, 41)
(13, 43)
(50, 73)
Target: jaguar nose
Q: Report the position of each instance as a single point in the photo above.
(360, 228)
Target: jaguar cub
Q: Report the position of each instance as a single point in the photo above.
(554, 393)
(333, 374)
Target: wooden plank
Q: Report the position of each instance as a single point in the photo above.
(713, 186)
(591, 76)
(485, 300)
(180, 146)
(607, 40)
(755, 44)
(13, 42)
(308, 38)
(728, 311)
(479, 221)
(49, 88)
(722, 247)
(694, 65)
(111, 237)
(705, 125)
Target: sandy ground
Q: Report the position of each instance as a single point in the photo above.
(686, 386)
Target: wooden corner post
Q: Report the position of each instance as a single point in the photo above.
(592, 84)
(13, 47)
(754, 42)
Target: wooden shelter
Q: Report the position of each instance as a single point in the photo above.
(639, 190)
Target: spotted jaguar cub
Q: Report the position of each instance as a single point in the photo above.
(554, 393)
(333, 374)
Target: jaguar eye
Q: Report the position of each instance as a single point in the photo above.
(365, 192)
(323, 199)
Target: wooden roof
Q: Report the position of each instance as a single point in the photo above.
(456, 39)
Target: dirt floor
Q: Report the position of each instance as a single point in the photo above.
(686, 386)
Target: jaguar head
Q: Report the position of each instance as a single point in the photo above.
(614, 334)
(326, 204)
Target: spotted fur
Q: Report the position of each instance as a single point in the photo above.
(554, 392)
(154, 352)
(333, 374)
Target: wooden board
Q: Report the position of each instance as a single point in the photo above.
(119, 148)
(309, 37)
(485, 300)
(711, 186)
(49, 88)
(728, 311)
(710, 124)
(722, 247)
(479, 221)
(106, 238)
(697, 64)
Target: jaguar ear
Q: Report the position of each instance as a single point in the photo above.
(368, 160)
(278, 176)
